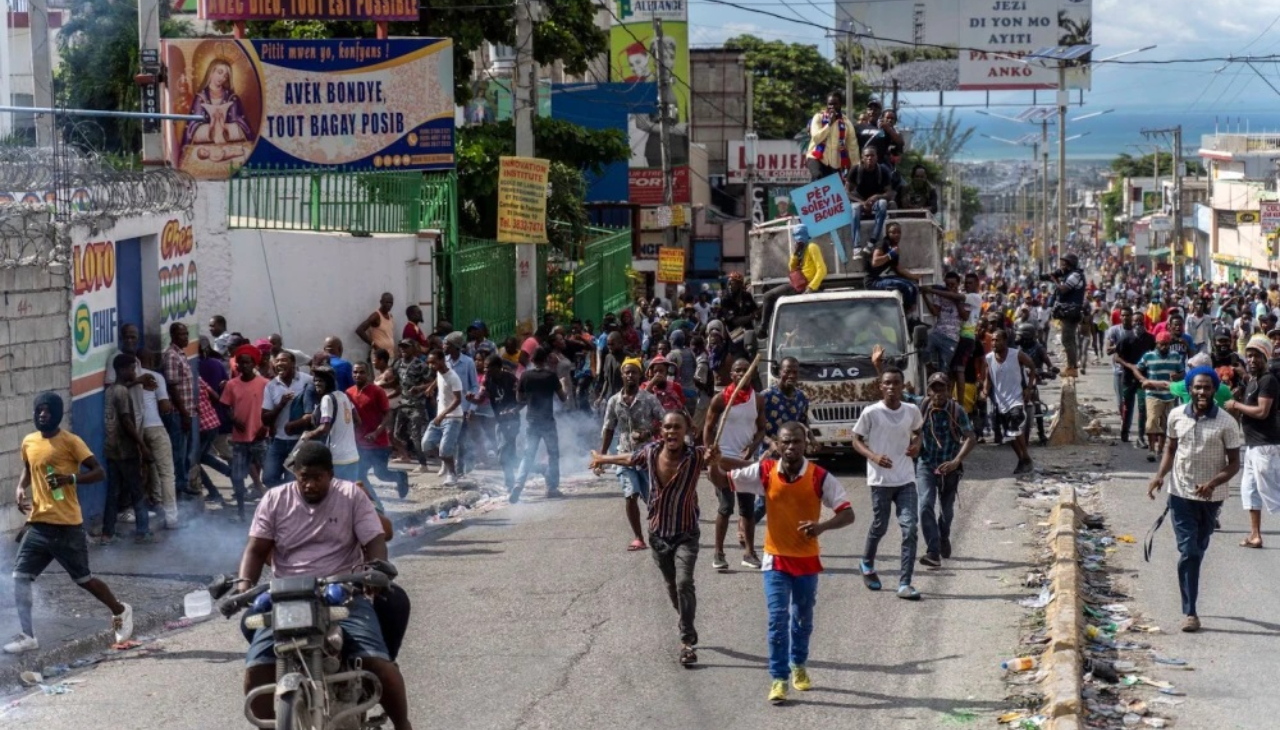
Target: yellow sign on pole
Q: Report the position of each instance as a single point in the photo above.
(670, 265)
(522, 199)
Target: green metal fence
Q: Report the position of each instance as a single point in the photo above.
(479, 280)
(333, 199)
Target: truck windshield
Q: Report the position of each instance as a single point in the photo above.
(837, 328)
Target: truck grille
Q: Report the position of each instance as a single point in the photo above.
(834, 413)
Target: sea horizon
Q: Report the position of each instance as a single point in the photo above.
(1108, 135)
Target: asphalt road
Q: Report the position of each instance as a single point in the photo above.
(535, 616)
(1236, 654)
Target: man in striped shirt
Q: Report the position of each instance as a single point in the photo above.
(1165, 365)
(673, 468)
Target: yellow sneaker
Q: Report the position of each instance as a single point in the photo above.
(800, 679)
(778, 693)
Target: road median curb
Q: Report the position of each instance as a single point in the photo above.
(1064, 619)
(151, 618)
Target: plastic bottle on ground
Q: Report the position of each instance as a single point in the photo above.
(1020, 664)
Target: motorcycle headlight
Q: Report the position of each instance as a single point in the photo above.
(293, 615)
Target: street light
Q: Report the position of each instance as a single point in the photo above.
(1062, 55)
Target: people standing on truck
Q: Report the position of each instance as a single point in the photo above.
(743, 412)
(806, 268)
(737, 307)
(796, 490)
(830, 132)
(884, 273)
(918, 193)
(887, 435)
(949, 308)
(1009, 373)
(870, 189)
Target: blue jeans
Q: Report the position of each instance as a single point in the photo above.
(1193, 522)
(879, 209)
(941, 350)
(207, 458)
(538, 432)
(181, 444)
(273, 471)
(124, 484)
(899, 284)
(790, 599)
(930, 489)
(883, 500)
(347, 472)
(243, 455)
(635, 483)
(508, 433)
(376, 460)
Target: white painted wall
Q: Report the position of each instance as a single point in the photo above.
(307, 286)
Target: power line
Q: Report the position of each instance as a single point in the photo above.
(915, 44)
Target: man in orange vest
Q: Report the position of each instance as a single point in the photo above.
(794, 490)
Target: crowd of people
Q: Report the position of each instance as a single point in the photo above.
(665, 391)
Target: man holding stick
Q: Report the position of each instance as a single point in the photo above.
(738, 416)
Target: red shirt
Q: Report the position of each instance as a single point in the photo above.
(413, 332)
(372, 405)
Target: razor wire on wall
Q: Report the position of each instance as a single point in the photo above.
(45, 190)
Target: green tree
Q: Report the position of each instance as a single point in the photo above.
(1126, 165)
(99, 49)
(944, 139)
(791, 83)
(567, 33)
(575, 150)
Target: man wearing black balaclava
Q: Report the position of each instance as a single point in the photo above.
(54, 463)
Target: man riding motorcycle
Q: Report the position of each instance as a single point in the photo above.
(319, 526)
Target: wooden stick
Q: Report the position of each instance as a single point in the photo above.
(724, 417)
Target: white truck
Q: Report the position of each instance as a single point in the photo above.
(831, 332)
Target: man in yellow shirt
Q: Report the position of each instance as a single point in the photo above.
(806, 271)
(54, 463)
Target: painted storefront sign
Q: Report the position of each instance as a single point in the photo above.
(94, 318)
(522, 199)
(357, 104)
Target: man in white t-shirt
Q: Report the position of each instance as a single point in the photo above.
(887, 435)
(148, 405)
(442, 434)
(336, 425)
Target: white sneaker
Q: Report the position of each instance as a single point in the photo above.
(441, 470)
(126, 517)
(123, 624)
(451, 479)
(21, 644)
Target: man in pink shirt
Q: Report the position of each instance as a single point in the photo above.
(319, 526)
(244, 395)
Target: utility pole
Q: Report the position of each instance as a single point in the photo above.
(749, 148)
(1063, 100)
(1044, 196)
(6, 73)
(1174, 135)
(524, 105)
(41, 69)
(664, 106)
(149, 88)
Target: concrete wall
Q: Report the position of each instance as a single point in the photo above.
(307, 286)
(34, 357)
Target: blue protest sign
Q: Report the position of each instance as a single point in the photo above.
(823, 205)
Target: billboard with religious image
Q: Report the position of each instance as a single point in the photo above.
(355, 104)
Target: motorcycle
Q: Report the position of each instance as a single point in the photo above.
(314, 688)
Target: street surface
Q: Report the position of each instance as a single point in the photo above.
(1236, 654)
(535, 616)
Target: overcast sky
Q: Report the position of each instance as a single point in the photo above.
(1181, 28)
